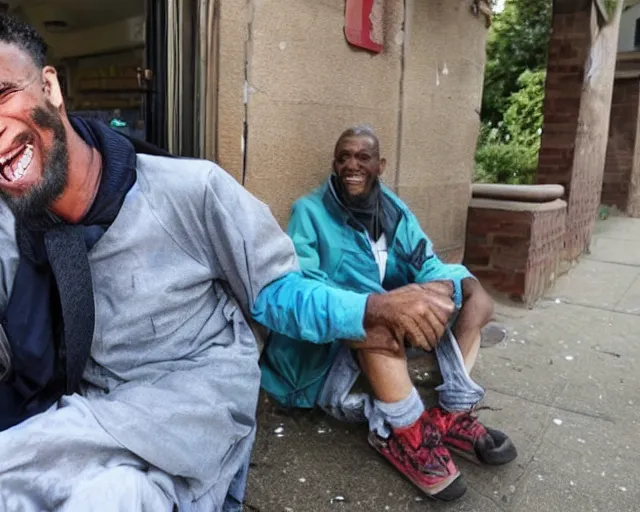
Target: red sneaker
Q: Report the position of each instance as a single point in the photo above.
(466, 436)
(418, 453)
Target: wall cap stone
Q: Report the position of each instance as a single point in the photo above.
(517, 206)
(525, 193)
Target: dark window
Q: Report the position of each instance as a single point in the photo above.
(636, 39)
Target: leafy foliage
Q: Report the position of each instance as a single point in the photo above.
(514, 93)
(513, 163)
(518, 41)
(523, 118)
(610, 7)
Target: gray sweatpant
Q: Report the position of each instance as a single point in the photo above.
(458, 392)
(63, 460)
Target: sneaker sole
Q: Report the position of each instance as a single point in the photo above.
(447, 490)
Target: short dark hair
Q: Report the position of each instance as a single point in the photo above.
(24, 36)
(361, 130)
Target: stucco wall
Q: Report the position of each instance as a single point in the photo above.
(442, 94)
(305, 84)
(233, 40)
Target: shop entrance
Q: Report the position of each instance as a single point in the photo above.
(105, 54)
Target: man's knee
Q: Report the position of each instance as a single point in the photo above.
(477, 304)
(367, 353)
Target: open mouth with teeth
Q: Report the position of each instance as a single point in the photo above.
(14, 164)
(354, 179)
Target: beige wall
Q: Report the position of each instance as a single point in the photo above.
(442, 94)
(233, 44)
(306, 84)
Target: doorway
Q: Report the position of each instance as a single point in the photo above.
(109, 58)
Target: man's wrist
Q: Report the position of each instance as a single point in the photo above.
(372, 309)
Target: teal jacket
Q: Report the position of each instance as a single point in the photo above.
(334, 248)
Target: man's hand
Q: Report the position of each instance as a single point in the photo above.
(417, 314)
(441, 287)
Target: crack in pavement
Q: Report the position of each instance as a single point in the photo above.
(594, 416)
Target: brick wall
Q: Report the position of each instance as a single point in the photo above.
(621, 148)
(497, 248)
(547, 241)
(582, 58)
(568, 51)
(515, 248)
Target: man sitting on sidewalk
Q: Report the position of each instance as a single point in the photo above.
(128, 282)
(355, 234)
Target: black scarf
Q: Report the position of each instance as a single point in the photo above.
(50, 316)
(365, 209)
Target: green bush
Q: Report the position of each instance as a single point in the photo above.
(508, 151)
(497, 162)
(523, 118)
(513, 95)
(517, 42)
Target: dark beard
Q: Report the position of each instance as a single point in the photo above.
(55, 169)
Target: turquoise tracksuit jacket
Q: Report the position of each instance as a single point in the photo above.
(334, 248)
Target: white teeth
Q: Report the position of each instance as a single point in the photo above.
(24, 162)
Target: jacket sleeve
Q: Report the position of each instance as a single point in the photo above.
(324, 312)
(427, 266)
(260, 265)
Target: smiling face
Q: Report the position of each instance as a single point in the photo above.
(33, 142)
(357, 164)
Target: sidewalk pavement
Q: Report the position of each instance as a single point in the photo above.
(565, 385)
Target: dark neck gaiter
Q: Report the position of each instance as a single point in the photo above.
(365, 209)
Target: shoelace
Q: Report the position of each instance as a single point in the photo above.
(432, 440)
(469, 422)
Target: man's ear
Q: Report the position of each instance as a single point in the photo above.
(52, 90)
(383, 165)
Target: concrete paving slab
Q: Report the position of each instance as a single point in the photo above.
(583, 285)
(525, 423)
(320, 465)
(531, 364)
(580, 358)
(583, 465)
(305, 462)
(621, 228)
(613, 250)
(630, 301)
(606, 380)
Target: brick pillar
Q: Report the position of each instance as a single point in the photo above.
(622, 146)
(582, 58)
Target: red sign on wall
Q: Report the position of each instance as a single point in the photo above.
(363, 25)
